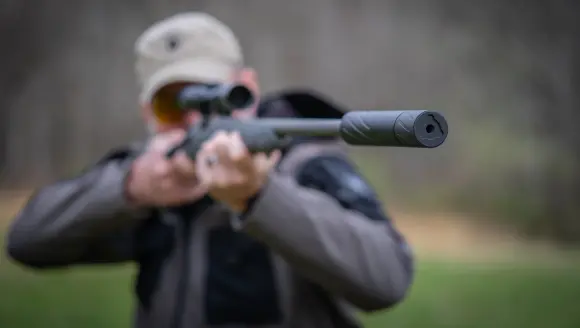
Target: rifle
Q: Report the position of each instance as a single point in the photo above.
(406, 128)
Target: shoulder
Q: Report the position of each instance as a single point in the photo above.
(117, 157)
(338, 177)
(334, 173)
(122, 153)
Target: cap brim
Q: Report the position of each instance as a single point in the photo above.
(202, 71)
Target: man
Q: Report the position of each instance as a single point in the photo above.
(232, 239)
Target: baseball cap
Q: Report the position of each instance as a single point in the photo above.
(187, 47)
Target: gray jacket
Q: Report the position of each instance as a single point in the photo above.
(307, 255)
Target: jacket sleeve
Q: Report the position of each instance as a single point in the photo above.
(82, 220)
(329, 226)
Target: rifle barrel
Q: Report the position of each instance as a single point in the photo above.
(303, 127)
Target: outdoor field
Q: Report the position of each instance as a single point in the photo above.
(444, 295)
(492, 214)
(524, 289)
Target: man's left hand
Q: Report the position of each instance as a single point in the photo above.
(230, 172)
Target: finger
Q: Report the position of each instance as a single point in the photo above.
(183, 165)
(161, 143)
(220, 177)
(196, 192)
(266, 163)
(216, 146)
(240, 158)
(215, 173)
(203, 169)
(237, 148)
(259, 159)
(221, 151)
(274, 158)
(272, 161)
(217, 138)
(207, 146)
(204, 154)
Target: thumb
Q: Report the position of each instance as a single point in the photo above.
(266, 163)
(274, 159)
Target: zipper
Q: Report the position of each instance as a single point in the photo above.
(187, 218)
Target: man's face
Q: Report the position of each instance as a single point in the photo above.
(161, 114)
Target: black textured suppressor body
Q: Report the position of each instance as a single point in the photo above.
(411, 128)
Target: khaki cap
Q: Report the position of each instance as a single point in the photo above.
(187, 47)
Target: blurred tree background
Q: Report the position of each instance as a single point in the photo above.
(506, 74)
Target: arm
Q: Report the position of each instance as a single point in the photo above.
(82, 220)
(330, 227)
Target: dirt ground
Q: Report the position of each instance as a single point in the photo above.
(448, 235)
(453, 235)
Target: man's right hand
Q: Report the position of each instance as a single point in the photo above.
(156, 180)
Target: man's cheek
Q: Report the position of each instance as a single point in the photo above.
(192, 117)
(161, 128)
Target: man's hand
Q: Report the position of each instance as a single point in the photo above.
(155, 180)
(231, 174)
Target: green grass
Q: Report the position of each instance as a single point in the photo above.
(506, 295)
(66, 298)
(444, 295)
